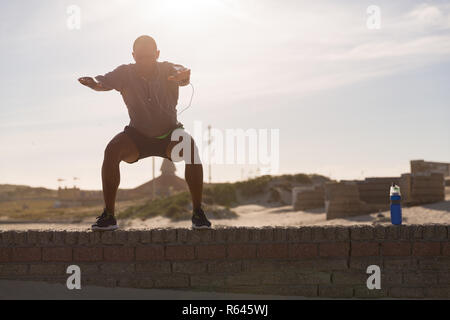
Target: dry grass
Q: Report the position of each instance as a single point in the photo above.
(39, 210)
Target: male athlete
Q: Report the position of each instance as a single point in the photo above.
(149, 89)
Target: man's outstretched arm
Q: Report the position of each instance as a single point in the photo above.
(180, 75)
(91, 83)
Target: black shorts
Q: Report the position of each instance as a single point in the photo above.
(148, 147)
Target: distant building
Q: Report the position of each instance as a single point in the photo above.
(72, 197)
(69, 193)
(165, 185)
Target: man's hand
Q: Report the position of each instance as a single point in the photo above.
(91, 83)
(88, 82)
(181, 78)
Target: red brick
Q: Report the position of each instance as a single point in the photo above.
(191, 267)
(219, 266)
(395, 249)
(349, 277)
(426, 278)
(242, 279)
(207, 281)
(118, 253)
(172, 281)
(364, 292)
(400, 263)
(336, 291)
(241, 251)
(211, 252)
(365, 249)
(444, 277)
(57, 254)
(434, 263)
(446, 248)
(336, 249)
(303, 250)
(438, 292)
(13, 269)
(426, 249)
(180, 252)
(117, 268)
(87, 254)
(150, 253)
(5, 254)
(26, 254)
(47, 269)
(272, 250)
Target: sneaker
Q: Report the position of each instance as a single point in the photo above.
(105, 222)
(199, 220)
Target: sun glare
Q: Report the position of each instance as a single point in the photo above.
(179, 10)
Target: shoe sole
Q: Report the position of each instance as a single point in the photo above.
(200, 227)
(109, 228)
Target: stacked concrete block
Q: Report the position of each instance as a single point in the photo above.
(304, 198)
(405, 188)
(342, 199)
(427, 188)
(376, 190)
(419, 167)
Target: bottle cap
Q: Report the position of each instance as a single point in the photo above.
(395, 190)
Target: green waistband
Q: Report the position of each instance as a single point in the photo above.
(167, 134)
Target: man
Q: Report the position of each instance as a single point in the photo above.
(149, 89)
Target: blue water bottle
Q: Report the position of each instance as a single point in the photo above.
(396, 207)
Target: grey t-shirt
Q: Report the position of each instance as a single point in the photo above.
(151, 104)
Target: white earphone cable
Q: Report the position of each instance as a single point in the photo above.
(190, 101)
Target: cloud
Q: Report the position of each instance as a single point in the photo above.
(430, 15)
(334, 50)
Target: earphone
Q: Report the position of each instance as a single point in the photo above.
(190, 101)
(166, 92)
(179, 112)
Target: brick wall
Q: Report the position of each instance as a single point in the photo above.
(305, 261)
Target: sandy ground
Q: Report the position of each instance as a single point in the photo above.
(258, 216)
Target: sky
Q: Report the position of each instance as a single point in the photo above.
(349, 100)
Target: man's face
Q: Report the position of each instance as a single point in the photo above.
(145, 56)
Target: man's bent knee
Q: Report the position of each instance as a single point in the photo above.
(121, 148)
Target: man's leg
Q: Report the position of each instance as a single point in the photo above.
(120, 148)
(194, 177)
(193, 173)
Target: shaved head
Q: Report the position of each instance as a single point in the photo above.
(144, 42)
(145, 52)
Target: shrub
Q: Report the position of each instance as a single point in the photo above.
(222, 194)
(302, 178)
(254, 186)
